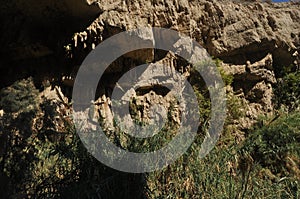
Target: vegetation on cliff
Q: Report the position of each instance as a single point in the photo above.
(257, 154)
(37, 161)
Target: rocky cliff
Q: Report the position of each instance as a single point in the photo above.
(234, 31)
(254, 40)
(252, 43)
(48, 40)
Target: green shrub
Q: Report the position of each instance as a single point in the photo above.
(19, 97)
(230, 170)
(39, 161)
(287, 91)
(227, 78)
(276, 144)
(43, 163)
(223, 173)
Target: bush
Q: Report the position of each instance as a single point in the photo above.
(41, 156)
(277, 144)
(287, 91)
(226, 172)
(19, 97)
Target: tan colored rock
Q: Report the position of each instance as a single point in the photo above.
(253, 39)
(253, 84)
(102, 111)
(260, 70)
(54, 94)
(262, 94)
(236, 32)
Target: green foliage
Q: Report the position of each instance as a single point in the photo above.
(204, 104)
(231, 170)
(41, 156)
(41, 161)
(19, 102)
(276, 144)
(223, 173)
(235, 107)
(227, 78)
(287, 91)
(20, 97)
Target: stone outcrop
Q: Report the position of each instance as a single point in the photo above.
(253, 83)
(234, 31)
(151, 97)
(50, 39)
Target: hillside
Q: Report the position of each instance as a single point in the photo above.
(254, 45)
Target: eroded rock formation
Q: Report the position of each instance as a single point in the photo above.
(236, 32)
(50, 39)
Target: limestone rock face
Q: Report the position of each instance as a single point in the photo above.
(253, 83)
(233, 31)
(153, 96)
(50, 39)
